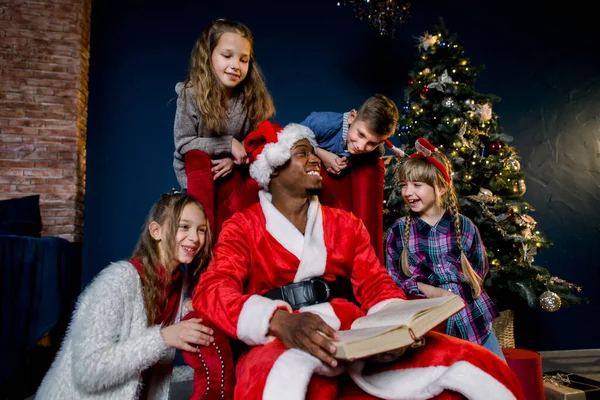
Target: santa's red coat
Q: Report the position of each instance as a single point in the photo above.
(259, 250)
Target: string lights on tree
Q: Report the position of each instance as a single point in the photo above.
(382, 15)
(442, 106)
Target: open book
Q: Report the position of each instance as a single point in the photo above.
(398, 324)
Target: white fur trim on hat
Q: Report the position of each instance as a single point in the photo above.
(276, 154)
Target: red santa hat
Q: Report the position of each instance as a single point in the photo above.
(269, 147)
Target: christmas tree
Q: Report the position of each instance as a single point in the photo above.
(442, 106)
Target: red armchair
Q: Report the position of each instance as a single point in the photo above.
(360, 191)
(223, 198)
(213, 366)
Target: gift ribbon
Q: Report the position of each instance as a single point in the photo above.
(559, 379)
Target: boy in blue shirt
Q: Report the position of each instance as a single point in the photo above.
(355, 139)
(341, 137)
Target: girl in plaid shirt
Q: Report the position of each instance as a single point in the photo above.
(435, 251)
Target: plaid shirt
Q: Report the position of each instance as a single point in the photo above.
(434, 259)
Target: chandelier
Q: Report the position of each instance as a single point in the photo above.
(382, 15)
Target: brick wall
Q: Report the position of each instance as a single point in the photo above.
(44, 63)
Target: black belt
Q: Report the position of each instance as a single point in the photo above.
(312, 291)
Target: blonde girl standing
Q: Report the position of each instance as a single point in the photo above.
(222, 99)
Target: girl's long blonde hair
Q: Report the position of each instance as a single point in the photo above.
(419, 169)
(210, 93)
(167, 212)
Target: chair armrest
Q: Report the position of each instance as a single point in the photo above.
(213, 365)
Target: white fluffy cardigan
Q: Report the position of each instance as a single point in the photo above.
(109, 344)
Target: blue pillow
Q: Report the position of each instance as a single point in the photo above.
(21, 216)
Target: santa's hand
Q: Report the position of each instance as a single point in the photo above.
(305, 331)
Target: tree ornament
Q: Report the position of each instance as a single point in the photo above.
(469, 102)
(550, 301)
(448, 102)
(427, 41)
(441, 82)
(411, 82)
(426, 71)
(485, 192)
(484, 195)
(511, 215)
(522, 187)
(513, 164)
(494, 147)
(484, 112)
(501, 217)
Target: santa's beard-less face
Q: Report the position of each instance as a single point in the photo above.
(301, 176)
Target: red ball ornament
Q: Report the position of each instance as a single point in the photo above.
(511, 215)
(424, 90)
(494, 147)
(411, 82)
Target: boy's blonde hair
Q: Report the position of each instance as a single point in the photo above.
(380, 114)
(209, 91)
(420, 169)
(167, 212)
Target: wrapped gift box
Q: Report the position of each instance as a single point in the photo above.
(560, 385)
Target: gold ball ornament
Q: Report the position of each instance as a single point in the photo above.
(522, 187)
(550, 301)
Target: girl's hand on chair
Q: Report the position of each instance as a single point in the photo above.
(187, 335)
(221, 167)
(238, 152)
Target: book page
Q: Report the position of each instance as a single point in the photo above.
(356, 335)
(397, 313)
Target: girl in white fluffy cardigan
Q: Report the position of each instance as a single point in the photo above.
(125, 329)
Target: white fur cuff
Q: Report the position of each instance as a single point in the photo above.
(254, 320)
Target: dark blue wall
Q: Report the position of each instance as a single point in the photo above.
(542, 62)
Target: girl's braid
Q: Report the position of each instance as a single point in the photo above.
(473, 279)
(404, 257)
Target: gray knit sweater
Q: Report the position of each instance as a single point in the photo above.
(109, 344)
(191, 133)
